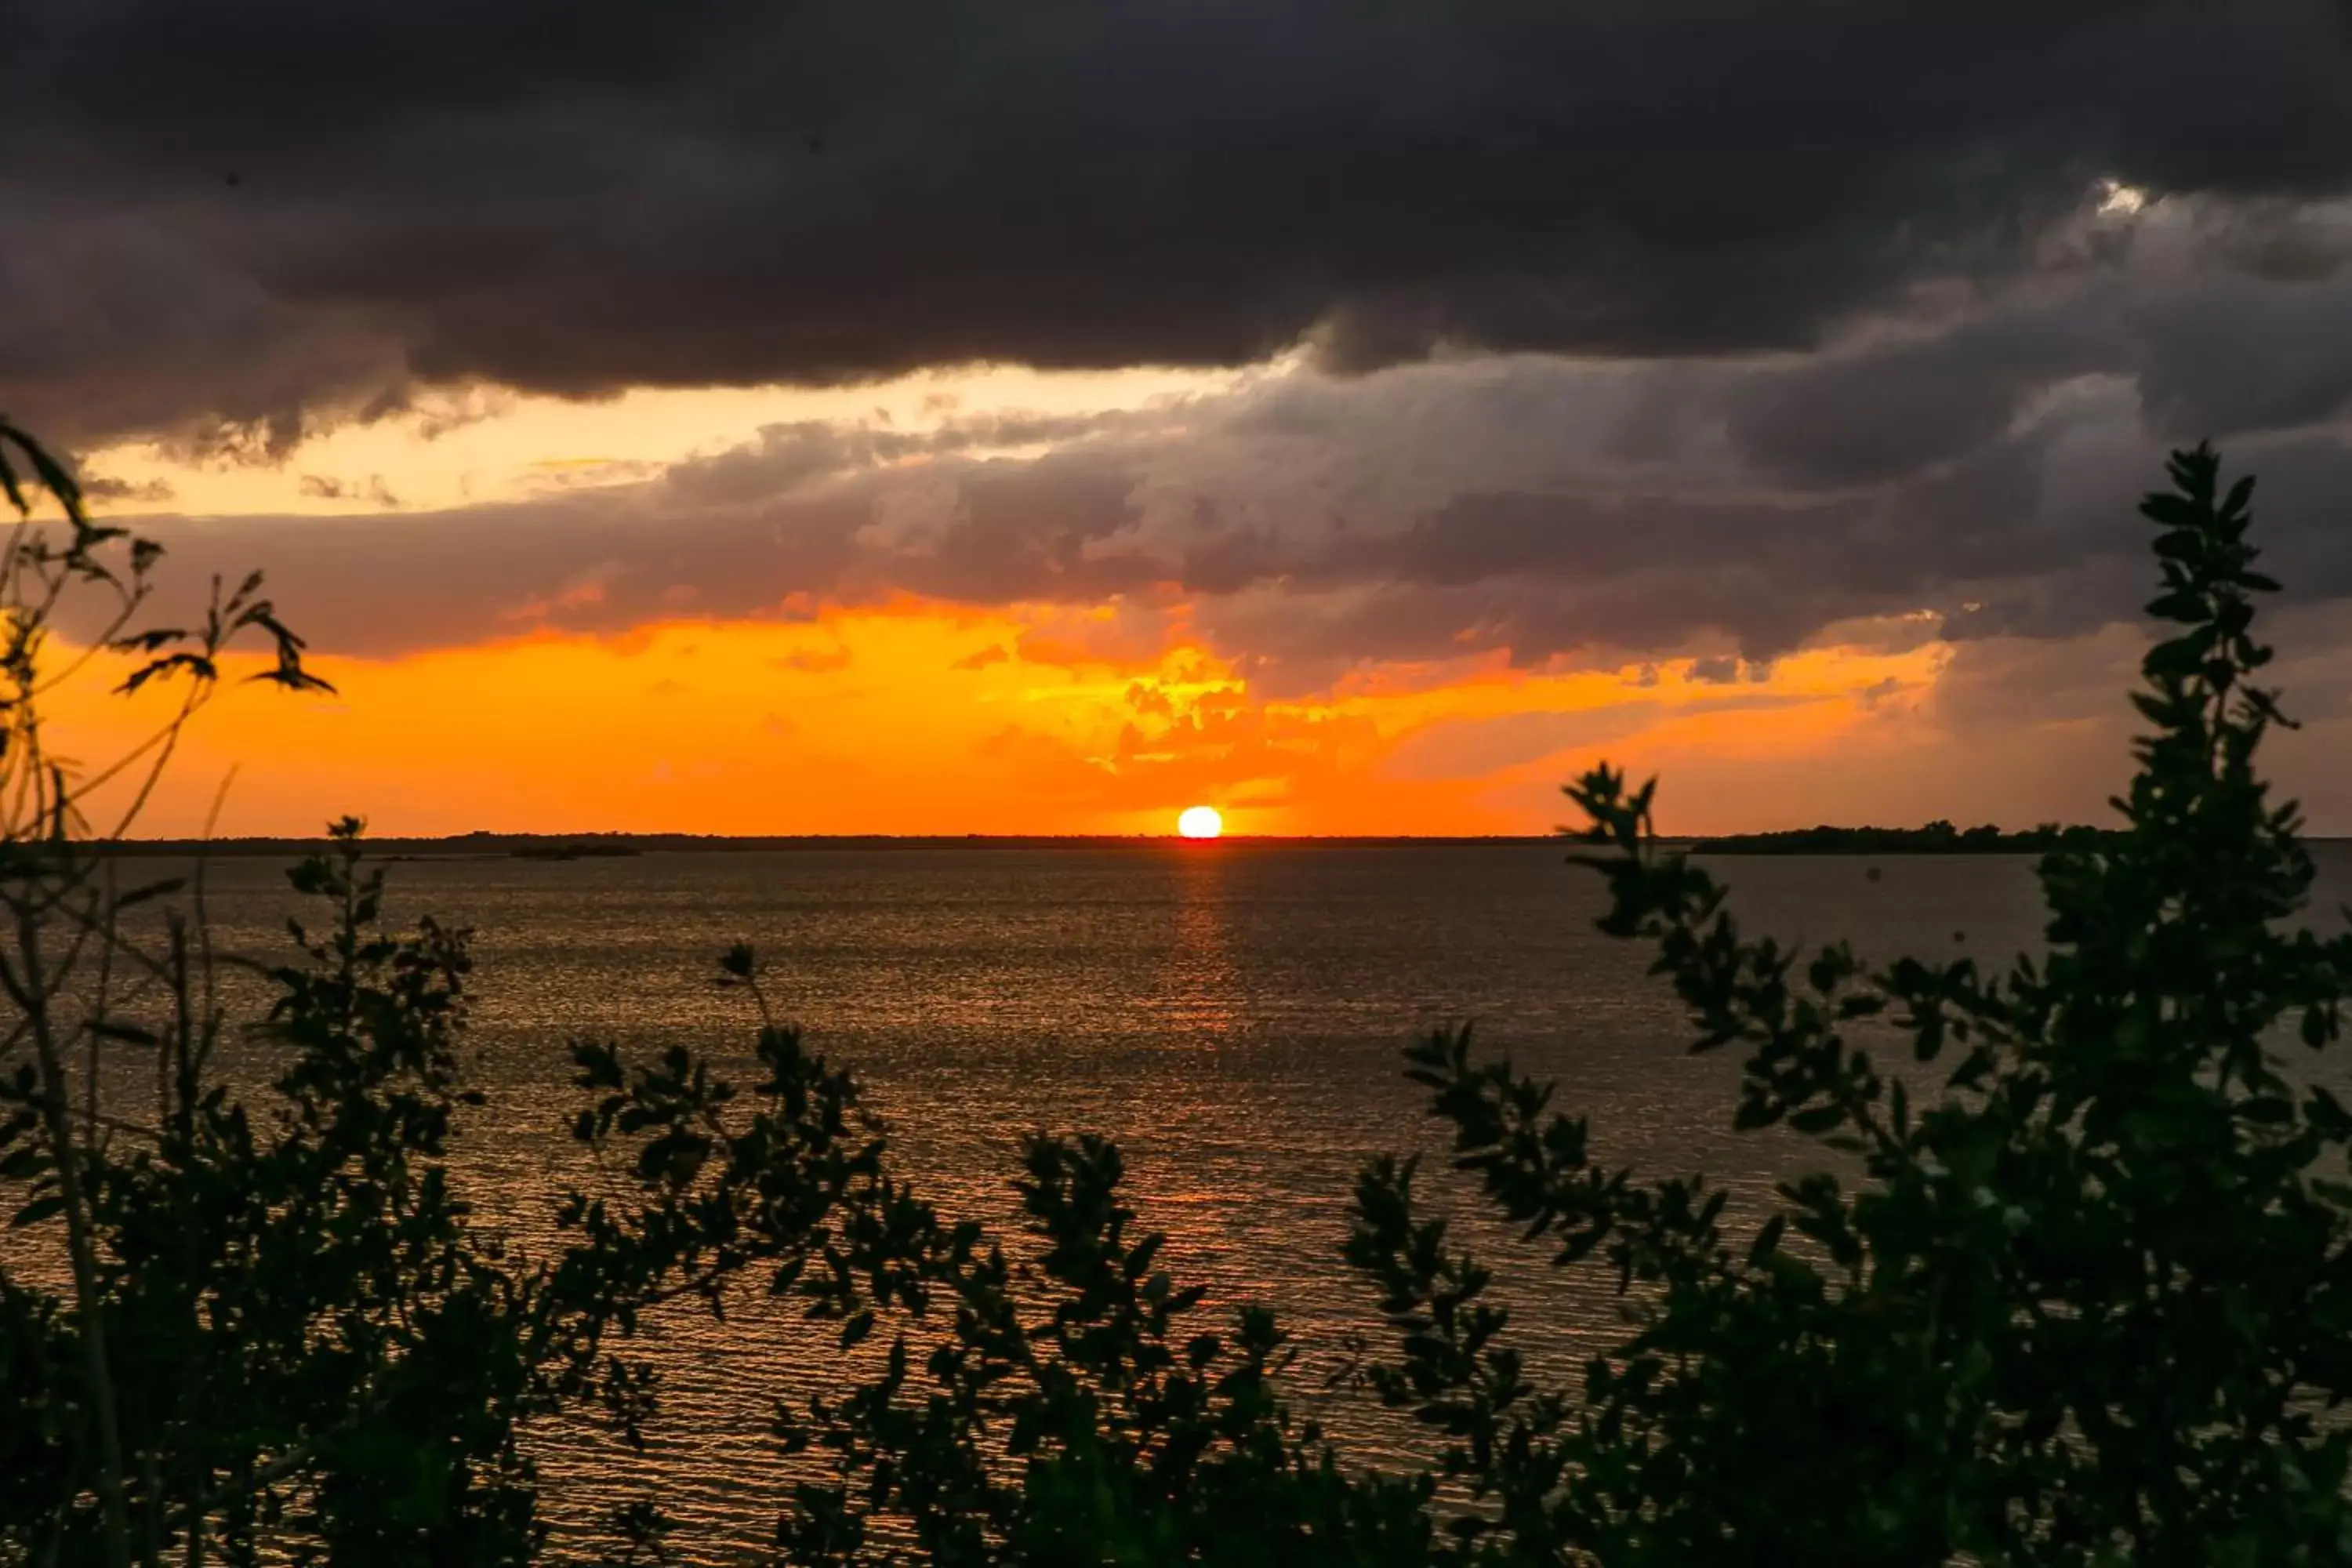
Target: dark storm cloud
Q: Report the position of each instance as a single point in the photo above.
(273, 212)
(2241, 356)
(2225, 354)
(786, 456)
(1049, 530)
(1543, 573)
(1891, 411)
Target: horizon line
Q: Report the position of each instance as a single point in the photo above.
(488, 838)
(608, 840)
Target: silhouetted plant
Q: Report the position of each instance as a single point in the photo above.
(65, 958)
(1054, 1409)
(251, 1326)
(2090, 1303)
(316, 1352)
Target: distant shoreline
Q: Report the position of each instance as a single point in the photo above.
(566, 846)
(615, 846)
(1936, 838)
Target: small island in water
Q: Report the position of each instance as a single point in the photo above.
(1936, 838)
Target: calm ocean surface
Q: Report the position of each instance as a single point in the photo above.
(1230, 1013)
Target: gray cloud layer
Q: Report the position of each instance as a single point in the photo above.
(1316, 523)
(272, 211)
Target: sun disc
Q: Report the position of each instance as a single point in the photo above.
(1201, 822)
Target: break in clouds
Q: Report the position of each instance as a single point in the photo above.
(1608, 335)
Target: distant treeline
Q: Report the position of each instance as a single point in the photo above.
(1936, 838)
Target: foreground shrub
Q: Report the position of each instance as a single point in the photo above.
(2071, 1286)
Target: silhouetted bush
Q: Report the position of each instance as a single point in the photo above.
(2083, 1296)
(2072, 1286)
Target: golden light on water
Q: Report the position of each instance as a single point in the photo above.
(1200, 822)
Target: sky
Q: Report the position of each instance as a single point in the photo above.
(1041, 415)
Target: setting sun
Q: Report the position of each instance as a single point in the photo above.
(1201, 822)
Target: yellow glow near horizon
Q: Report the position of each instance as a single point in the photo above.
(1200, 822)
(466, 445)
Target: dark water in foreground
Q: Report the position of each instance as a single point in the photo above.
(1230, 1013)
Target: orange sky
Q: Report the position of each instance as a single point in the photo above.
(923, 718)
(894, 713)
